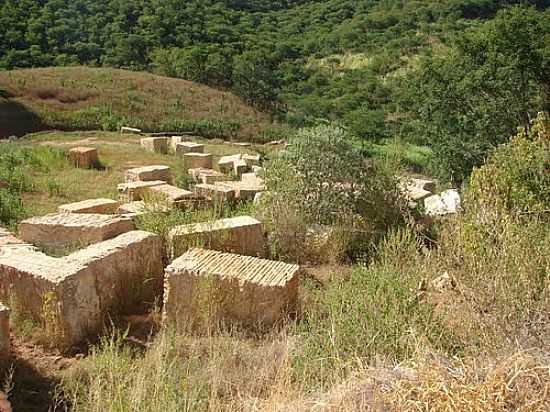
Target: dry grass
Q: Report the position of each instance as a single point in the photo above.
(64, 97)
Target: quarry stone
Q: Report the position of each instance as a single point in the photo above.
(134, 191)
(101, 206)
(251, 160)
(71, 297)
(149, 173)
(170, 193)
(174, 140)
(197, 160)
(243, 235)
(207, 176)
(244, 190)
(226, 164)
(446, 203)
(4, 331)
(129, 130)
(84, 157)
(215, 193)
(155, 144)
(205, 287)
(189, 147)
(69, 229)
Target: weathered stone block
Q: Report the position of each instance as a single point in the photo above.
(197, 160)
(134, 191)
(61, 230)
(129, 130)
(243, 235)
(4, 331)
(101, 206)
(189, 147)
(71, 297)
(170, 193)
(240, 167)
(203, 288)
(446, 203)
(207, 176)
(251, 160)
(84, 157)
(226, 164)
(243, 190)
(155, 144)
(215, 193)
(149, 174)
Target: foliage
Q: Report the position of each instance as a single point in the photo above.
(495, 79)
(323, 179)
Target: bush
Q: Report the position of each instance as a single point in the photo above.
(11, 208)
(323, 180)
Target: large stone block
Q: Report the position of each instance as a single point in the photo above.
(101, 206)
(207, 176)
(84, 157)
(189, 147)
(149, 174)
(59, 230)
(170, 193)
(244, 190)
(243, 235)
(215, 193)
(204, 288)
(155, 144)
(197, 160)
(226, 164)
(71, 297)
(134, 191)
(4, 331)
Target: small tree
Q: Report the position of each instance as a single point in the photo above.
(323, 179)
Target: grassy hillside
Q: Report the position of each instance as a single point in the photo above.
(81, 98)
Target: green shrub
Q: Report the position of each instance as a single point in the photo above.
(11, 208)
(323, 179)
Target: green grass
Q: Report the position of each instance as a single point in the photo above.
(415, 158)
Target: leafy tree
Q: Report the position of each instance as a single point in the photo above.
(494, 80)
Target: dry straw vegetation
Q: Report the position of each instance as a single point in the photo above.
(82, 98)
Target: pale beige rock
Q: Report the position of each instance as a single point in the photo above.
(243, 235)
(240, 167)
(84, 157)
(4, 331)
(251, 160)
(174, 140)
(134, 191)
(204, 287)
(134, 209)
(61, 230)
(71, 297)
(149, 174)
(226, 164)
(215, 193)
(189, 147)
(170, 193)
(197, 160)
(207, 176)
(129, 130)
(155, 144)
(243, 190)
(101, 206)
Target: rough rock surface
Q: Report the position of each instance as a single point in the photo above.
(134, 191)
(446, 203)
(84, 157)
(243, 235)
(101, 206)
(189, 147)
(215, 192)
(197, 160)
(69, 229)
(170, 193)
(71, 297)
(207, 176)
(149, 173)
(244, 190)
(155, 144)
(204, 287)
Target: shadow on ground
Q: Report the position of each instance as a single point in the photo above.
(16, 119)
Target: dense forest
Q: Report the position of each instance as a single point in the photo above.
(358, 62)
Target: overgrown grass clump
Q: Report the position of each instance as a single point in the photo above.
(18, 166)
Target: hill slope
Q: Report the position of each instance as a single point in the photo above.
(70, 98)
